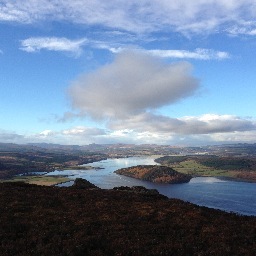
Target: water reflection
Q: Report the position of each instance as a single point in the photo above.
(206, 180)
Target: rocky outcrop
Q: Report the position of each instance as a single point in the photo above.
(140, 190)
(155, 173)
(83, 184)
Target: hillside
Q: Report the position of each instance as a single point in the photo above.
(154, 173)
(16, 163)
(236, 168)
(37, 220)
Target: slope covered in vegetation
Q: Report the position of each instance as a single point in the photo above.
(37, 220)
(237, 168)
(154, 173)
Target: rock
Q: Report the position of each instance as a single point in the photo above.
(139, 190)
(143, 190)
(83, 184)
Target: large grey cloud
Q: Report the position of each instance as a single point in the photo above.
(132, 84)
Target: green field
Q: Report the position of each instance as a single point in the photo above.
(194, 168)
(39, 180)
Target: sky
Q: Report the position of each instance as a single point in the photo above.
(150, 71)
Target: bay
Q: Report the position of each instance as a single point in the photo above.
(227, 195)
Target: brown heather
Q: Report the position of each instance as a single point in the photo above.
(37, 220)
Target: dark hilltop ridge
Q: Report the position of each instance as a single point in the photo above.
(86, 220)
(155, 173)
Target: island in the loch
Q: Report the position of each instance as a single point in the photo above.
(155, 173)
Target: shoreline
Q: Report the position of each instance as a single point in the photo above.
(84, 167)
(234, 179)
(224, 178)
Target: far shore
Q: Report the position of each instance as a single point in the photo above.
(41, 180)
(79, 167)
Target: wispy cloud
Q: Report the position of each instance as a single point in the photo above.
(199, 53)
(184, 16)
(61, 44)
(247, 29)
(35, 44)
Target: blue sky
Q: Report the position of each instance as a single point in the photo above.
(166, 72)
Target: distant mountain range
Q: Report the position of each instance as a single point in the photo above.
(240, 149)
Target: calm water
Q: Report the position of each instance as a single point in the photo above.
(226, 195)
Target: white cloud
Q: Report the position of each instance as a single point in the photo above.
(199, 53)
(84, 131)
(202, 54)
(234, 137)
(46, 133)
(35, 44)
(132, 84)
(248, 29)
(143, 16)
(148, 128)
(78, 135)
